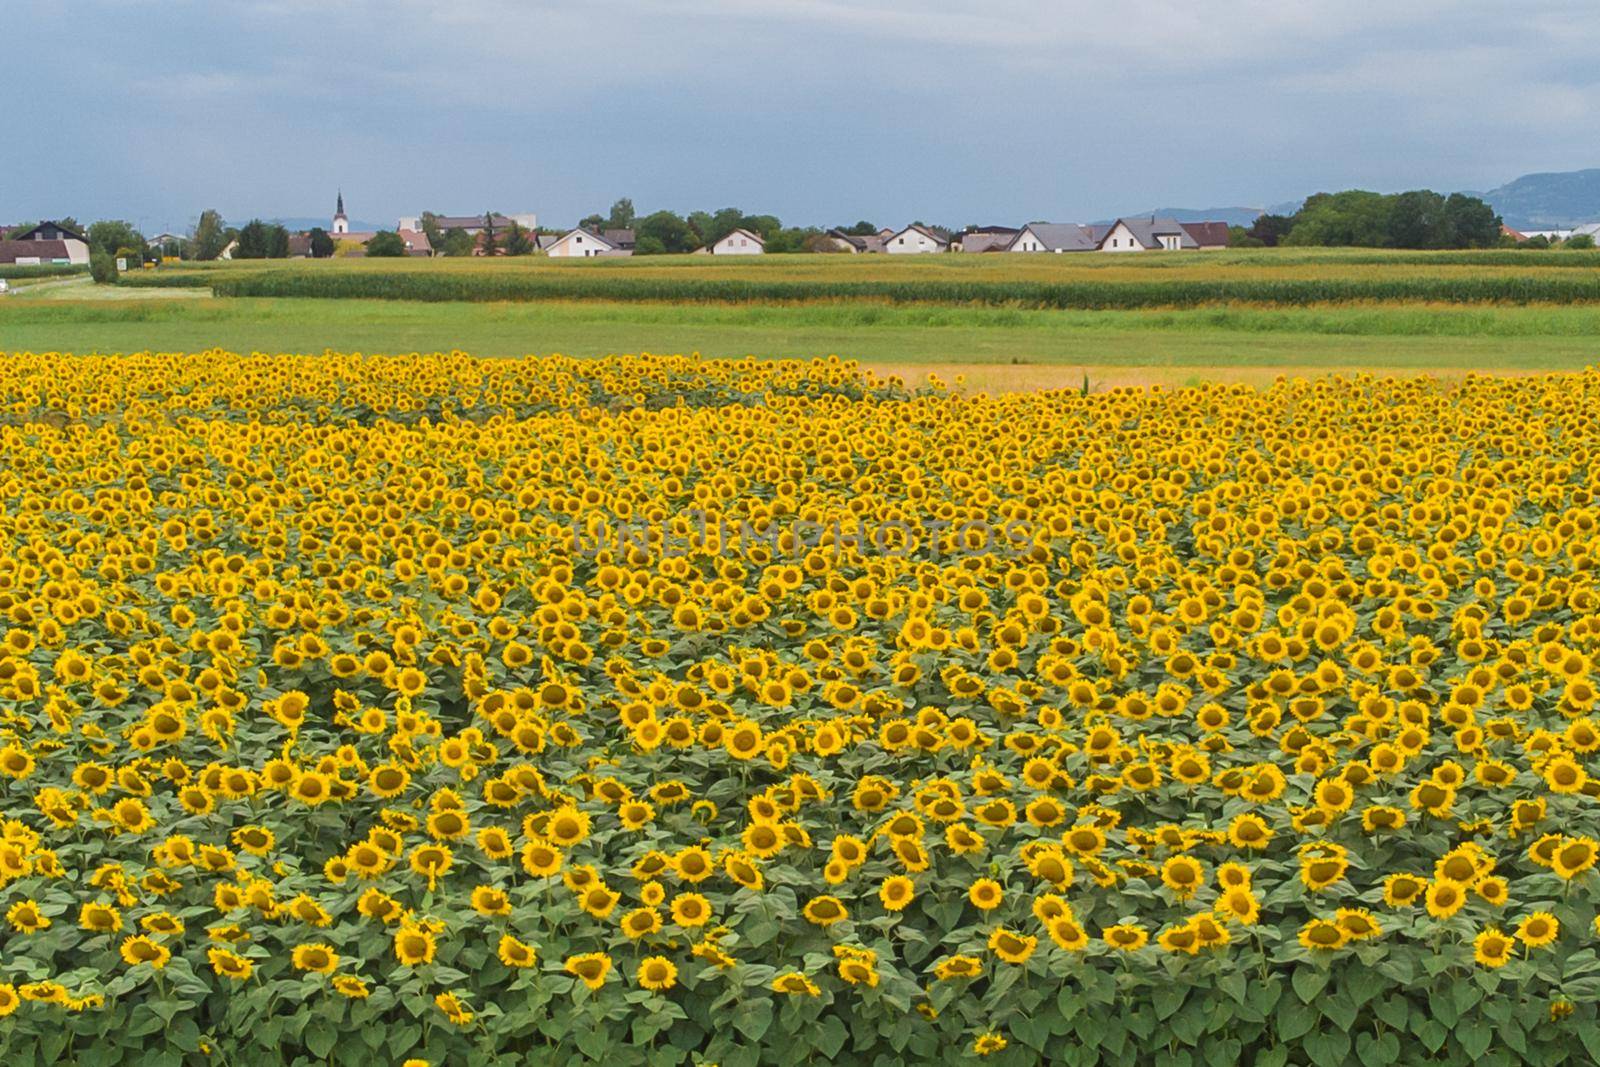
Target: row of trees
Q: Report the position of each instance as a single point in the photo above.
(1421, 218)
(666, 231)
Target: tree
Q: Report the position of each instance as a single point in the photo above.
(277, 242)
(1352, 217)
(1270, 229)
(256, 241)
(102, 267)
(489, 246)
(1239, 237)
(793, 239)
(592, 222)
(456, 243)
(622, 216)
(1417, 220)
(672, 233)
(321, 243)
(386, 243)
(109, 235)
(518, 242)
(1579, 240)
(1472, 222)
(430, 229)
(860, 229)
(209, 237)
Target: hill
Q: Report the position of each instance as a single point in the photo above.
(1549, 200)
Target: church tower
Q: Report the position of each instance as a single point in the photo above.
(340, 223)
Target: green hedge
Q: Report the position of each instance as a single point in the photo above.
(43, 270)
(1083, 295)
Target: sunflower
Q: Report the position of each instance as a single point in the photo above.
(1125, 937)
(1539, 929)
(1323, 935)
(229, 964)
(656, 973)
(515, 953)
(690, 910)
(455, 1009)
(795, 983)
(590, 968)
(414, 946)
(985, 894)
(142, 949)
(1011, 946)
(315, 957)
(1493, 949)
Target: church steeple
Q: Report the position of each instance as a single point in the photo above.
(340, 223)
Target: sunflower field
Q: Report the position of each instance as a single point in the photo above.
(660, 710)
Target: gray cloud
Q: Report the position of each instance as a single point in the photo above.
(817, 110)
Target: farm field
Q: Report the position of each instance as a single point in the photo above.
(1150, 318)
(671, 710)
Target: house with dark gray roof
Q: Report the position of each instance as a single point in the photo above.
(1147, 233)
(1054, 237)
(916, 238)
(856, 243)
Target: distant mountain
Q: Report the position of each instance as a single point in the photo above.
(1548, 201)
(1233, 216)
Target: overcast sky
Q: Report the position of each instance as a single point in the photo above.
(818, 111)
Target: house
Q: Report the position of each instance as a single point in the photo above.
(34, 253)
(856, 243)
(1507, 231)
(739, 243)
(542, 242)
(472, 225)
(984, 239)
(64, 245)
(1054, 237)
(915, 239)
(1209, 236)
(1143, 234)
(587, 243)
(1588, 229)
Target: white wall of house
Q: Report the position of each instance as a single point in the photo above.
(77, 251)
(1026, 242)
(579, 244)
(1121, 239)
(738, 243)
(910, 242)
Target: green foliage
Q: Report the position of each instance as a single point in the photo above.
(102, 267)
(110, 235)
(665, 231)
(455, 243)
(210, 236)
(386, 243)
(1579, 241)
(262, 240)
(518, 243)
(1420, 218)
(322, 245)
(43, 270)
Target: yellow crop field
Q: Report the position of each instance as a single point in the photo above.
(666, 710)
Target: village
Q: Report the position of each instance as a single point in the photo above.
(61, 243)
